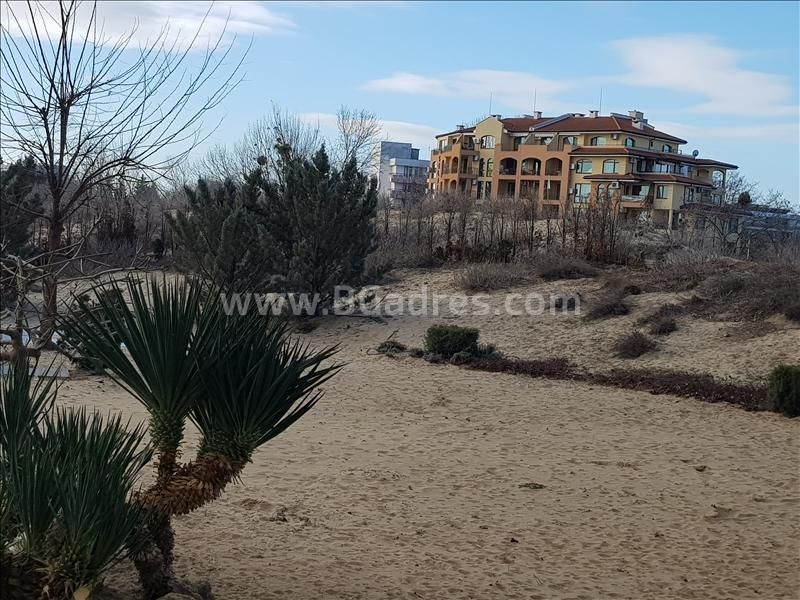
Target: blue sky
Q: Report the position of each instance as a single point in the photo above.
(722, 75)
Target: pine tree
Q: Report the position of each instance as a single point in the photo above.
(223, 235)
(323, 219)
(18, 201)
(305, 232)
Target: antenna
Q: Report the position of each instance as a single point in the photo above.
(534, 99)
(600, 108)
(490, 103)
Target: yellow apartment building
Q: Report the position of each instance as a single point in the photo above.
(575, 158)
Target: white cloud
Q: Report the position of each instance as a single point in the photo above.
(699, 65)
(420, 136)
(408, 83)
(116, 19)
(514, 89)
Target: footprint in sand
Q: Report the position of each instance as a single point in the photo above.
(720, 512)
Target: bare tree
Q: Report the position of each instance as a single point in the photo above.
(358, 131)
(90, 110)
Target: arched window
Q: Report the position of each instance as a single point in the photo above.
(489, 167)
(666, 148)
(508, 166)
(597, 141)
(487, 141)
(583, 166)
(552, 166)
(630, 142)
(531, 166)
(611, 166)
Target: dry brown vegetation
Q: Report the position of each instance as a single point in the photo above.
(633, 345)
(492, 276)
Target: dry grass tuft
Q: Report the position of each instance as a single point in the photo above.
(634, 345)
(552, 266)
(491, 276)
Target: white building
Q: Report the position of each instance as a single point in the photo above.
(400, 172)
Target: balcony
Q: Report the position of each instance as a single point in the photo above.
(408, 178)
(631, 198)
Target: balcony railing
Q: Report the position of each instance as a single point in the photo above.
(631, 198)
(408, 178)
(511, 172)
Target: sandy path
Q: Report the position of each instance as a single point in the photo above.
(405, 483)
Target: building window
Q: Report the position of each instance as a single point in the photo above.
(611, 166)
(489, 167)
(597, 141)
(666, 148)
(480, 190)
(582, 192)
(488, 193)
(481, 167)
(583, 166)
(571, 140)
(661, 192)
(487, 141)
(517, 142)
(630, 143)
(700, 223)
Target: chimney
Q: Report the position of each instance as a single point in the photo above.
(460, 127)
(594, 114)
(537, 114)
(498, 117)
(636, 115)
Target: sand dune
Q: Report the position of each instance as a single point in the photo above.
(413, 480)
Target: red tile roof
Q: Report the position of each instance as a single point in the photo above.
(604, 124)
(463, 130)
(522, 124)
(666, 156)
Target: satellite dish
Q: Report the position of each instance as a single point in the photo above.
(695, 153)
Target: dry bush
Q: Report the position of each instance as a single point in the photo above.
(665, 311)
(391, 347)
(663, 326)
(553, 266)
(491, 276)
(793, 312)
(691, 385)
(393, 255)
(684, 270)
(610, 304)
(756, 291)
(549, 368)
(634, 345)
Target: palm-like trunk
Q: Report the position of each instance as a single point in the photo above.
(192, 485)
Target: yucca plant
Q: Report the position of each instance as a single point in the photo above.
(240, 380)
(67, 481)
(150, 347)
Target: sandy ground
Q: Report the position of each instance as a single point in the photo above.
(412, 480)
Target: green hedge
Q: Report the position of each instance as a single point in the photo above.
(784, 389)
(448, 340)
